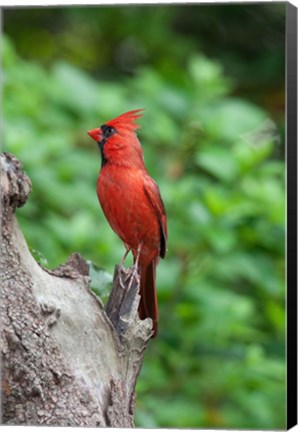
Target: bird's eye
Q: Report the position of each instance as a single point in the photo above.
(107, 131)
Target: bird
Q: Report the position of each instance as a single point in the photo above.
(132, 203)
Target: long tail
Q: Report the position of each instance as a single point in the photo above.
(148, 304)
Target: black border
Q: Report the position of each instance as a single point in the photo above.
(291, 84)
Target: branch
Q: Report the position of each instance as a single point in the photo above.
(66, 360)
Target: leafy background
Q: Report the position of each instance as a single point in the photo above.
(211, 80)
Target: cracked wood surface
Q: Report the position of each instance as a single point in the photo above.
(66, 360)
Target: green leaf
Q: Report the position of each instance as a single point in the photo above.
(219, 162)
(100, 280)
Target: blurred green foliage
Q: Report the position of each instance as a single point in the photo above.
(219, 359)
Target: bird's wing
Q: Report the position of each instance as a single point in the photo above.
(153, 194)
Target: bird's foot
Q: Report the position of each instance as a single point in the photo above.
(135, 268)
(132, 273)
(129, 276)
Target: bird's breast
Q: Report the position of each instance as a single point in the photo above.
(127, 208)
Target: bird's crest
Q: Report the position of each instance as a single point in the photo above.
(127, 120)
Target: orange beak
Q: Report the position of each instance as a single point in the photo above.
(96, 134)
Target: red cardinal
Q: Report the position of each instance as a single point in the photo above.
(131, 202)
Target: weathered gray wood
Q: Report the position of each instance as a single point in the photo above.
(64, 359)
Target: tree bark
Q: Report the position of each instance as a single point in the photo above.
(65, 359)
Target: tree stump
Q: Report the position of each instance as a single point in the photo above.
(66, 360)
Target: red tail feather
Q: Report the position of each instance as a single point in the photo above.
(148, 307)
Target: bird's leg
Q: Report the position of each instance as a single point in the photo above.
(124, 256)
(136, 263)
(130, 274)
(135, 267)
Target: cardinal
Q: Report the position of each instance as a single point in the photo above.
(132, 204)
